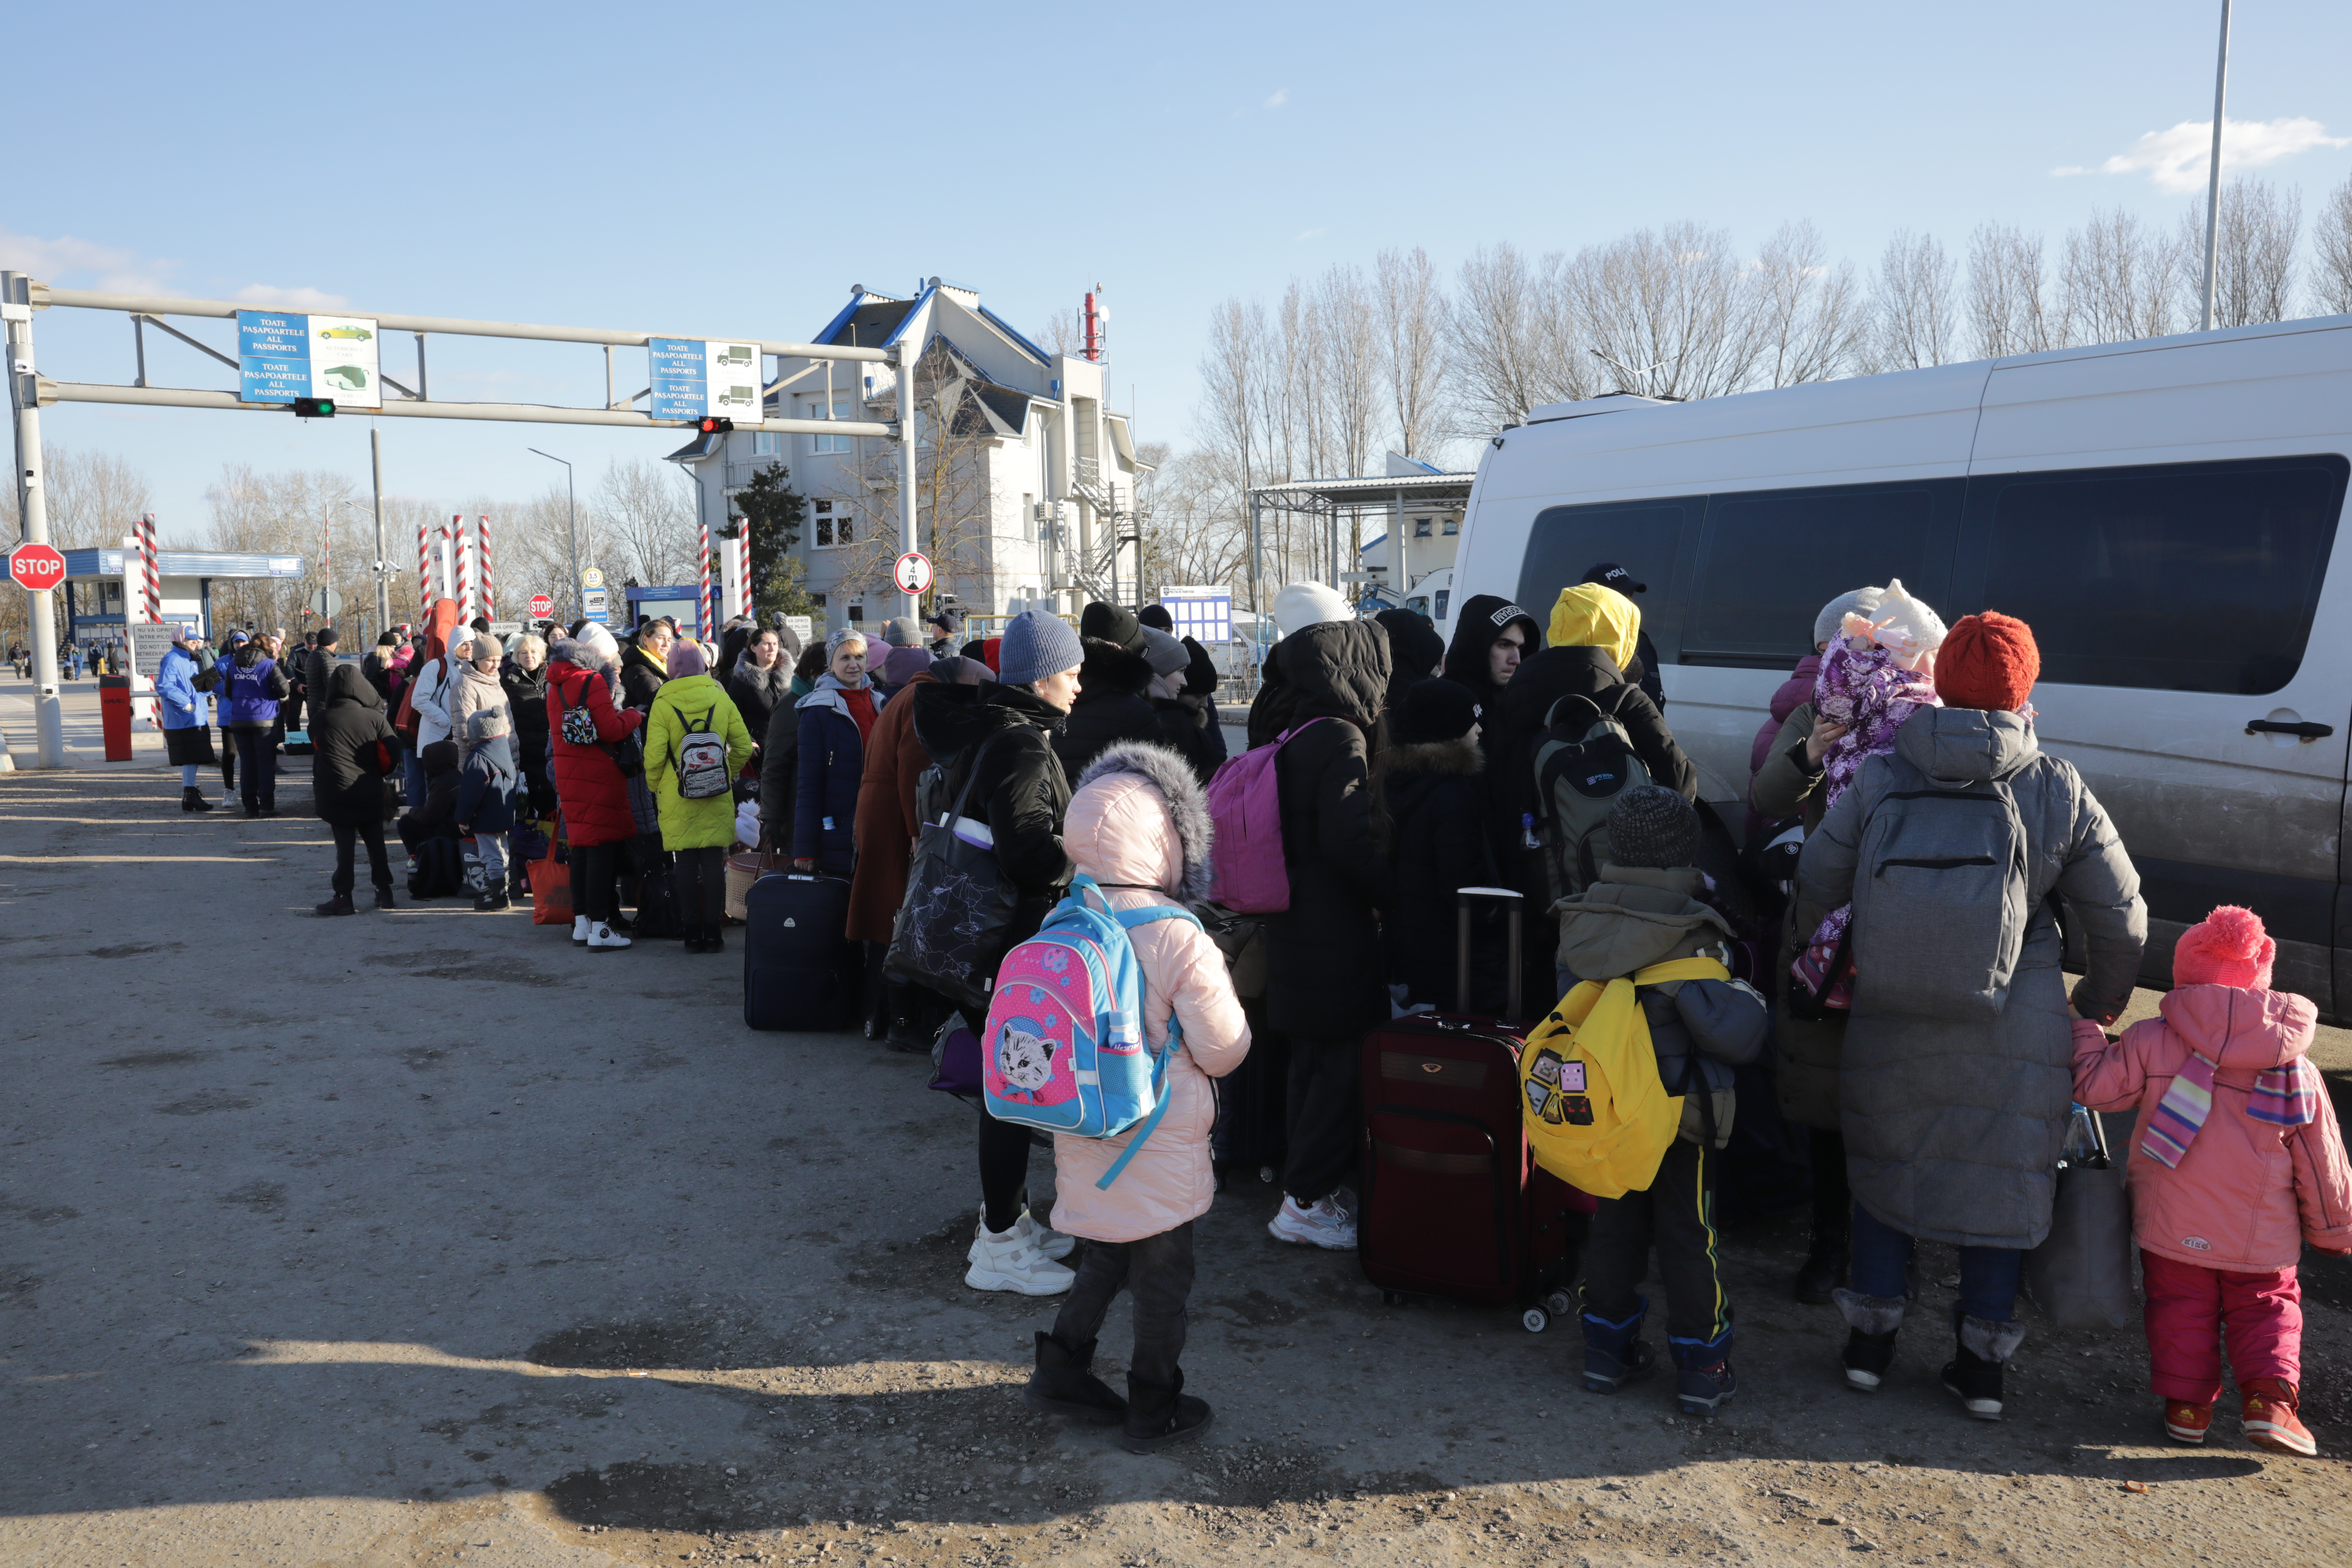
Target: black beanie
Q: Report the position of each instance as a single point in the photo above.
(1433, 710)
(1112, 623)
(1201, 675)
(1414, 643)
(1653, 826)
(1157, 617)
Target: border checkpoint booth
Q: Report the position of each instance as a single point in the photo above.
(92, 603)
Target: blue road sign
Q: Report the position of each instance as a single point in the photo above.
(273, 356)
(680, 377)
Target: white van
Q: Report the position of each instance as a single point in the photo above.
(2162, 513)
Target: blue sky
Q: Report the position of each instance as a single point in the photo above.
(734, 170)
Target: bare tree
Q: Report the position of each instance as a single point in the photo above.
(2331, 271)
(2117, 281)
(652, 516)
(1347, 371)
(1411, 304)
(1913, 303)
(2254, 272)
(94, 498)
(955, 504)
(1670, 310)
(1190, 513)
(2008, 313)
(1512, 340)
(1064, 333)
(1808, 311)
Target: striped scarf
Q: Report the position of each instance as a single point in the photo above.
(2282, 1096)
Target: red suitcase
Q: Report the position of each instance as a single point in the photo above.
(1452, 1203)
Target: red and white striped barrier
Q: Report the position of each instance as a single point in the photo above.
(489, 594)
(424, 571)
(702, 601)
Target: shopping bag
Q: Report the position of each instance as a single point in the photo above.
(2080, 1275)
(550, 894)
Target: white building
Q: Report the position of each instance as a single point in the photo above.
(1036, 478)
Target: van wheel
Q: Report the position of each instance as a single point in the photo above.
(1535, 1320)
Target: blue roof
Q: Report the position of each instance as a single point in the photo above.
(1007, 329)
(86, 565)
(898, 330)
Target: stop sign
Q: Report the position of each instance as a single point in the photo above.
(541, 606)
(37, 566)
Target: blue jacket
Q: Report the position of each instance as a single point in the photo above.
(249, 697)
(825, 798)
(486, 787)
(184, 707)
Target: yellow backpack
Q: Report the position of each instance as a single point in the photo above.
(1597, 1115)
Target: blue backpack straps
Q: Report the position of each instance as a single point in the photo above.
(1129, 920)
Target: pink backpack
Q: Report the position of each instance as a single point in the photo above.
(1245, 805)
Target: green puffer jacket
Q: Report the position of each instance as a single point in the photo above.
(686, 703)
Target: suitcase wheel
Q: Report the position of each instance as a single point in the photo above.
(1559, 1303)
(1392, 1299)
(1535, 1320)
(1268, 1174)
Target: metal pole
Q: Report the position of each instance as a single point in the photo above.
(1257, 607)
(383, 566)
(571, 502)
(33, 517)
(2213, 178)
(908, 604)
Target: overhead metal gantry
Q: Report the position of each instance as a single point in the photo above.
(30, 392)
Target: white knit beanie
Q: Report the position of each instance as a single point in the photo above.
(1304, 604)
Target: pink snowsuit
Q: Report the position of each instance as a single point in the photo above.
(2219, 1236)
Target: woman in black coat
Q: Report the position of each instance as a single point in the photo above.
(524, 676)
(1326, 984)
(759, 680)
(352, 746)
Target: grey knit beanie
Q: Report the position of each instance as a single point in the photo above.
(1858, 601)
(1037, 645)
(1164, 652)
(1653, 826)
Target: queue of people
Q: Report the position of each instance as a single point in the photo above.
(1895, 971)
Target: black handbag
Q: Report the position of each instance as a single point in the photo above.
(952, 927)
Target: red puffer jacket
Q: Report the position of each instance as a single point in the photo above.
(594, 797)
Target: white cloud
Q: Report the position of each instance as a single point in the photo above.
(1281, 97)
(292, 298)
(2176, 159)
(1307, 234)
(67, 260)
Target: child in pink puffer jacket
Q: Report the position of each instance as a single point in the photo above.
(2237, 1161)
(1139, 825)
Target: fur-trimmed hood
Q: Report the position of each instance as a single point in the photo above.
(586, 654)
(1138, 816)
(1457, 758)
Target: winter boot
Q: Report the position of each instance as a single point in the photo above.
(1973, 1375)
(2268, 1405)
(1703, 1375)
(383, 897)
(714, 938)
(1872, 1322)
(1825, 1268)
(690, 937)
(1614, 1353)
(603, 938)
(193, 799)
(1158, 1414)
(906, 1032)
(487, 902)
(1065, 1384)
(340, 904)
(2186, 1421)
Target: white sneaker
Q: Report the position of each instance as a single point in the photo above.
(580, 930)
(1055, 1244)
(1010, 1260)
(602, 936)
(1320, 1224)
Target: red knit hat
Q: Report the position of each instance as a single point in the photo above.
(2227, 948)
(1987, 661)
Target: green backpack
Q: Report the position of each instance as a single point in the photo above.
(1584, 762)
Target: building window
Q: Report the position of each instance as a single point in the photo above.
(821, 445)
(767, 444)
(1029, 519)
(832, 530)
(1421, 528)
(1452, 526)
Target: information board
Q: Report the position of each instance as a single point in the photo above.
(283, 356)
(150, 641)
(1204, 614)
(692, 378)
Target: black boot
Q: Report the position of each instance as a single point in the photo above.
(714, 938)
(193, 799)
(1158, 1414)
(906, 1032)
(340, 904)
(383, 897)
(1065, 1384)
(1973, 1375)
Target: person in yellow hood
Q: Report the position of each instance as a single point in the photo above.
(1590, 615)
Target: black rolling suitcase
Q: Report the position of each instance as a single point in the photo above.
(798, 973)
(1452, 1206)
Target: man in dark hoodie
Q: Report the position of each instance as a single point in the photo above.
(1114, 702)
(1416, 652)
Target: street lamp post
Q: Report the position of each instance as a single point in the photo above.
(2213, 176)
(572, 502)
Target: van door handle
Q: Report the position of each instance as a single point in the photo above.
(2306, 730)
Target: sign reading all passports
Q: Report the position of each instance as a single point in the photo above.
(282, 356)
(692, 378)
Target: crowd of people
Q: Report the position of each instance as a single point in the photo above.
(1880, 933)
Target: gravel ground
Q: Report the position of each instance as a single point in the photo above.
(427, 1238)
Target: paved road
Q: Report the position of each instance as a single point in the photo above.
(425, 1237)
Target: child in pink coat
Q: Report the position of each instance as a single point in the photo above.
(1139, 825)
(2237, 1161)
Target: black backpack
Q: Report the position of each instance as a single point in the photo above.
(440, 870)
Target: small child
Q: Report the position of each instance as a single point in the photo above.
(1875, 675)
(1646, 907)
(485, 807)
(2238, 1162)
(1139, 825)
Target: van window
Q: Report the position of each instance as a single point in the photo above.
(1567, 542)
(1769, 560)
(2179, 578)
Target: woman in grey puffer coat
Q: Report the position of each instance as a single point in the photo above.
(1957, 1076)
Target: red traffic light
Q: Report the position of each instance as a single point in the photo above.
(714, 424)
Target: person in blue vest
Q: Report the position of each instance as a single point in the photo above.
(251, 687)
(187, 716)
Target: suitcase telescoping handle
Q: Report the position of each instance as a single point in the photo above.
(1512, 900)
